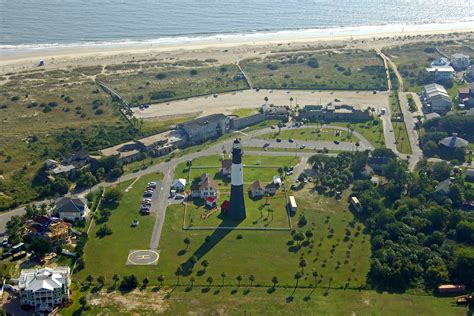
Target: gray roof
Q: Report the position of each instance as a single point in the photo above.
(44, 278)
(213, 118)
(71, 205)
(431, 116)
(444, 186)
(470, 112)
(470, 173)
(454, 142)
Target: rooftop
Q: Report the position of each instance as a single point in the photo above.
(454, 141)
(203, 121)
(44, 278)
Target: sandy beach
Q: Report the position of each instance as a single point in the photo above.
(225, 50)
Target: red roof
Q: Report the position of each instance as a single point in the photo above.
(211, 199)
(225, 205)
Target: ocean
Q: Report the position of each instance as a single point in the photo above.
(39, 24)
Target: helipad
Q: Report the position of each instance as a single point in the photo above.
(142, 257)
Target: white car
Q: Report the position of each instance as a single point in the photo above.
(179, 196)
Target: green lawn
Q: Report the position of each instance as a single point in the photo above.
(349, 69)
(371, 130)
(312, 134)
(401, 136)
(107, 256)
(264, 301)
(244, 112)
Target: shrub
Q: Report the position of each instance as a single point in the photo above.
(272, 66)
(15, 98)
(161, 76)
(99, 112)
(429, 50)
(193, 72)
(46, 109)
(313, 63)
(53, 104)
(159, 95)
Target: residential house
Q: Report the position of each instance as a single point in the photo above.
(430, 116)
(271, 188)
(466, 96)
(470, 174)
(443, 187)
(205, 187)
(226, 168)
(257, 189)
(202, 129)
(273, 112)
(442, 61)
(58, 232)
(44, 289)
(454, 142)
(436, 98)
(451, 288)
(441, 72)
(460, 61)
(72, 208)
(179, 185)
(470, 73)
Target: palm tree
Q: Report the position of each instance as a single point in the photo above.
(205, 264)
(266, 100)
(209, 281)
(239, 279)
(251, 279)
(280, 125)
(302, 264)
(116, 278)
(179, 271)
(223, 276)
(275, 281)
(101, 280)
(145, 282)
(187, 241)
(298, 276)
(90, 279)
(270, 211)
(315, 276)
(161, 279)
(357, 146)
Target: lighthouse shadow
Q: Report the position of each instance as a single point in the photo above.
(226, 227)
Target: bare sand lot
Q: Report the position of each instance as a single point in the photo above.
(228, 102)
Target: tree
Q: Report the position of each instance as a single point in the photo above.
(251, 279)
(90, 279)
(179, 272)
(298, 276)
(302, 264)
(275, 281)
(187, 241)
(86, 180)
(239, 279)
(209, 281)
(161, 279)
(40, 246)
(291, 101)
(145, 282)
(266, 100)
(103, 231)
(223, 276)
(205, 264)
(315, 276)
(298, 237)
(83, 302)
(112, 198)
(101, 280)
(129, 282)
(116, 278)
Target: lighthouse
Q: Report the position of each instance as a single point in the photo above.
(237, 203)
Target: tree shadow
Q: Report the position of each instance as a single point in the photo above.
(182, 252)
(217, 235)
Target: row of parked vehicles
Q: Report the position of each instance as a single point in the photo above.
(145, 207)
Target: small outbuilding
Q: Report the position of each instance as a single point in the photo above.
(179, 185)
(451, 288)
(292, 204)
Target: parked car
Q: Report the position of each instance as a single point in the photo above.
(278, 140)
(336, 142)
(135, 223)
(291, 140)
(302, 147)
(147, 194)
(179, 196)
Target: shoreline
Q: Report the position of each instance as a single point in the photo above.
(306, 36)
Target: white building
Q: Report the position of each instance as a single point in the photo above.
(441, 72)
(460, 61)
(180, 185)
(72, 208)
(45, 288)
(436, 98)
(442, 61)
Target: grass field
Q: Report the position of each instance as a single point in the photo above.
(107, 256)
(244, 112)
(312, 134)
(354, 70)
(164, 83)
(371, 130)
(259, 301)
(401, 136)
